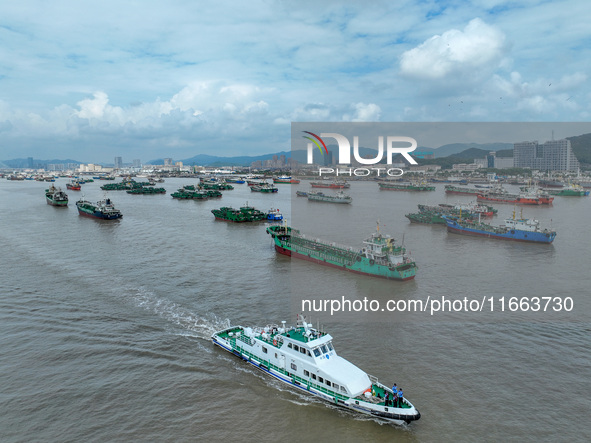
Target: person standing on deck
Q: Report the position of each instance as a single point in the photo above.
(386, 398)
(400, 398)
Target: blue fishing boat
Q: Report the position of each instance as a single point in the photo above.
(516, 229)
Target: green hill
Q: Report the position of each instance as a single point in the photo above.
(581, 146)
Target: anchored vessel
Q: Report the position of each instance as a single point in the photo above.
(458, 190)
(380, 257)
(571, 191)
(286, 179)
(434, 215)
(336, 184)
(103, 209)
(405, 186)
(56, 197)
(244, 214)
(264, 188)
(522, 229)
(339, 197)
(274, 215)
(74, 185)
(305, 358)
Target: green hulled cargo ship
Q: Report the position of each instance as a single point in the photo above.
(435, 215)
(244, 214)
(186, 193)
(569, 191)
(56, 197)
(393, 186)
(426, 217)
(216, 186)
(147, 191)
(379, 257)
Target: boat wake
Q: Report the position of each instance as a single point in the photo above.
(193, 324)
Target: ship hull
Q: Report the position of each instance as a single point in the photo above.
(57, 203)
(461, 192)
(99, 215)
(513, 235)
(517, 201)
(329, 200)
(394, 417)
(331, 186)
(416, 188)
(402, 274)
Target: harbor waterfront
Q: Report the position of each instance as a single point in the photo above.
(106, 326)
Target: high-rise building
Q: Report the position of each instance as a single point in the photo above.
(137, 163)
(118, 162)
(553, 155)
(30, 162)
(168, 162)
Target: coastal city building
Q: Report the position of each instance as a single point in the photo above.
(491, 161)
(553, 155)
(118, 162)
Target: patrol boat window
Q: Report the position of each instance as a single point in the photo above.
(316, 352)
(324, 350)
(329, 344)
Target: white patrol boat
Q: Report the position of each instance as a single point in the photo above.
(306, 359)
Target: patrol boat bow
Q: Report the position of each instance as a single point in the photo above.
(305, 358)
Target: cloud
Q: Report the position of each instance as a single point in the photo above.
(206, 78)
(478, 46)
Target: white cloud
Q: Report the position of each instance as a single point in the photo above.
(181, 75)
(478, 46)
(364, 113)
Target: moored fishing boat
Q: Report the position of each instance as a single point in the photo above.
(274, 215)
(265, 188)
(103, 209)
(146, 190)
(236, 180)
(570, 191)
(56, 197)
(215, 186)
(397, 186)
(426, 217)
(301, 193)
(335, 184)
(459, 190)
(522, 229)
(285, 179)
(305, 358)
(379, 257)
(256, 182)
(73, 185)
(339, 197)
(244, 214)
(470, 208)
(505, 197)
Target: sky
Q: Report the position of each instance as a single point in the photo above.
(149, 79)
